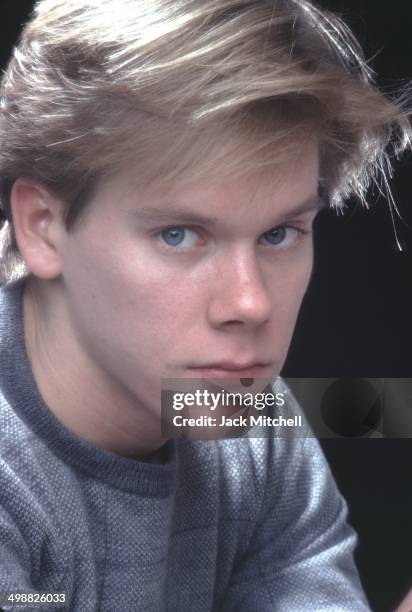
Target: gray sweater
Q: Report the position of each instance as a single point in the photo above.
(248, 525)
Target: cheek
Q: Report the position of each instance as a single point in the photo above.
(113, 269)
(297, 272)
(294, 284)
(142, 309)
(304, 275)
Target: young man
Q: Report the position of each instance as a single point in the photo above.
(161, 166)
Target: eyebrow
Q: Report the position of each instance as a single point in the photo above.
(153, 214)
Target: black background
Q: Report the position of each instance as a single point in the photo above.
(356, 320)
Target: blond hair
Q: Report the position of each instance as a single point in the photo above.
(188, 89)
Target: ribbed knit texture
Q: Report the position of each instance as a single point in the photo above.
(245, 525)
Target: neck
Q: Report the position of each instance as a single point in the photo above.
(78, 392)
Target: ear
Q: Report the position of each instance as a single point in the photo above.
(38, 226)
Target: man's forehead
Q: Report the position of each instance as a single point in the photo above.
(292, 189)
(170, 213)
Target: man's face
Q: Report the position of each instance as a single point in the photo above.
(205, 280)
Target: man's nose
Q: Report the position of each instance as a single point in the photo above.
(240, 294)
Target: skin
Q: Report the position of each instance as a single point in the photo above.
(406, 605)
(110, 308)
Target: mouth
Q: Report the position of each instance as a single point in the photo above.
(234, 371)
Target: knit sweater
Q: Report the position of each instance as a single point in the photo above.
(249, 524)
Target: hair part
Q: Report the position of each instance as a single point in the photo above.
(186, 90)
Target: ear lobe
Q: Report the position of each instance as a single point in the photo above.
(38, 227)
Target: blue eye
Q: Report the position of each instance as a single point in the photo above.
(276, 236)
(179, 237)
(283, 236)
(174, 236)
